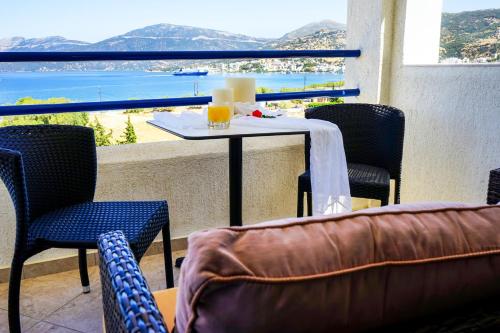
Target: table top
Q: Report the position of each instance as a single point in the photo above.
(234, 131)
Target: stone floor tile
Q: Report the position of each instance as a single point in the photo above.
(43, 295)
(26, 322)
(44, 327)
(84, 313)
(154, 270)
(54, 303)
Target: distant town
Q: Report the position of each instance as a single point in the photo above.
(261, 66)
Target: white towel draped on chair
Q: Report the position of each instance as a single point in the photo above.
(329, 179)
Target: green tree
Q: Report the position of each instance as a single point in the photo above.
(309, 67)
(129, 135)
(285, 90)
(102, 137)
(252, 67)
(332, 101)
(75, 118)
(335, 84)
(263, 90)
(128, 111)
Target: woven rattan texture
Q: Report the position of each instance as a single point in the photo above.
(129, 305)
(494, 187)
(59, 164)
(140, 221)
(373, 138)
(364, 180)
(373, 134)
(481, 317)
(11, 175)
(50, 171)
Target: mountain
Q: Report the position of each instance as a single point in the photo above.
(319, 40)
(159, 37)
(166, 37)
(311, 28)
(52, 43)
(471, 35)
(6, 44)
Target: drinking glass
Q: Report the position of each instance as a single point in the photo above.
(219, 115)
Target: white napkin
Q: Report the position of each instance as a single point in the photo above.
(329, 179)
(246, 109)
(183, 120)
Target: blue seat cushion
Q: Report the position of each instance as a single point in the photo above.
(81, 224)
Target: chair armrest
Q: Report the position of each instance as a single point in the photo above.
(129, 305)
(494, 187)
(11, 173)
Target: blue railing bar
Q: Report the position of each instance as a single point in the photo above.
(17, 110)
(173, 55)
(307, 94)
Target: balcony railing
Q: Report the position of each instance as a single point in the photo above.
(14, 110)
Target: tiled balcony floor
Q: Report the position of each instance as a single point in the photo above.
(55, 303)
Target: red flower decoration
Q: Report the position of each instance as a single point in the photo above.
(257, 114)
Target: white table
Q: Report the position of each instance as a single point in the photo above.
(235, 134)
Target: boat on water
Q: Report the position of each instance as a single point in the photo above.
(190, 73)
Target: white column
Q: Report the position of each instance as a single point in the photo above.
(369, 28)
(422, 32)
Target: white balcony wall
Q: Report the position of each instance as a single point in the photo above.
(452, 111)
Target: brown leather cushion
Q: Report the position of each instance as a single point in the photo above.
(342, 273)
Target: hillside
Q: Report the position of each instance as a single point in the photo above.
(166, 37)
(311, 28)
(471, 35)
(319, 40)
(52, 43)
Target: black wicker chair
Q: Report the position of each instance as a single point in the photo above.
(494, 187)
(50, 173)
(373, 141)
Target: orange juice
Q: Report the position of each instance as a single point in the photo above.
(219, 116)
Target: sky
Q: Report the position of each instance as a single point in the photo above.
(454, 6)
(94, 20)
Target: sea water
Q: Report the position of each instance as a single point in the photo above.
(90, 86)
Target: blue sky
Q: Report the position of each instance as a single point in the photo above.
(93, 20)
(453, 6)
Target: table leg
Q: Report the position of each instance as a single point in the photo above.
(235, 186)
(235, 181)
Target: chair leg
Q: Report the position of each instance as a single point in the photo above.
(167, 254)
(16, 271)
(309, 204)
(300, 200)
(84, 274)
(397, 191)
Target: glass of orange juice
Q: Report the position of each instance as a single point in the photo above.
(219, 115)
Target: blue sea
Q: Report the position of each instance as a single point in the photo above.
(107, 86)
